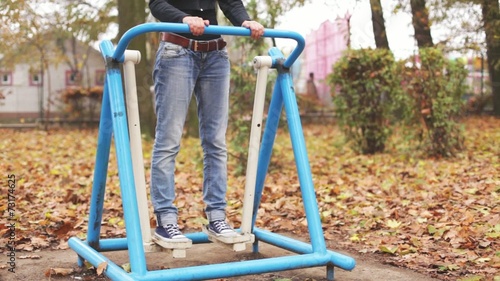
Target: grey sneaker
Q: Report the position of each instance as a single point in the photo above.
(221, 228)
(170, 233)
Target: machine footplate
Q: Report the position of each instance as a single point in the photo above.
(238, 242)
(178, 248)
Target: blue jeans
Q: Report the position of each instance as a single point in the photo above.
(178, 73)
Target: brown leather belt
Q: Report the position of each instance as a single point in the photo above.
(195, 45)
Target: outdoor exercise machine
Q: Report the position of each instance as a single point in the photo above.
(120, 120)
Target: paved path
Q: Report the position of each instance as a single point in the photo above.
(367, 268)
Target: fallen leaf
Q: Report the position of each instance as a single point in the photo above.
(39, 242)
(126, 267)
(101, 268)
(58, 272)
(393, 223)
(390, 250)
(34, 257)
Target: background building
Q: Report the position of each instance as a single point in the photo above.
(26, 93)
(324, 47)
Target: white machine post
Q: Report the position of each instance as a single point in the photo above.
(130, 59)
(262, 64)
(134, 127)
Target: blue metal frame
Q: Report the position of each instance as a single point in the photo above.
(114, 124)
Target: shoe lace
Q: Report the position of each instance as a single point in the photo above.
(220, 225)
(173, 230)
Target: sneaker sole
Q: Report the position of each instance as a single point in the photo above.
(233, 234)
(156, 236)
(210, 232)
(176, 246)
(234, 240)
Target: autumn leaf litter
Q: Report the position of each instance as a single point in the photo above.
(436, 216)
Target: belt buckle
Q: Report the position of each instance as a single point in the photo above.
(195, 46)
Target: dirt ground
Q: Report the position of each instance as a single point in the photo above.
(367, 268)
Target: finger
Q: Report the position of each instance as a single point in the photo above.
(197, 25)
(255, 34)
(194, 29)
(198, 29)
(257, 31)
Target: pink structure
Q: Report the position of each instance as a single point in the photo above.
(324, 47)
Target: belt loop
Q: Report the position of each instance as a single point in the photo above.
(217, 44)
(190, 44)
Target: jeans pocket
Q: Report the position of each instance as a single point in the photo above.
(170, 50)
(223, 53)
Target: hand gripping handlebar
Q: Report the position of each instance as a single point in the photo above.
(212, 29)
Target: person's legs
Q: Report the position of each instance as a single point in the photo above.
(212, 93)
(177, 72)
(174, 79)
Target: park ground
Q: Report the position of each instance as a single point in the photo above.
(61, 265)
(396, 212)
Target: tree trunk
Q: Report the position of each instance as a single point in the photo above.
(130, 14)
(378, 22)
(491, 22)
(49, 96)
(421, 23)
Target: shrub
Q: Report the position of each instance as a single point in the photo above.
(435, 87)
(82, 104)
(367, 91)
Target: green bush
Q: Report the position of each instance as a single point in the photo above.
(243, 81)
(366, 94)
(435, 87)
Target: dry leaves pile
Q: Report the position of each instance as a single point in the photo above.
(440, 216)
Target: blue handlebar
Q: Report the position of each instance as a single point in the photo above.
(212, 29)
